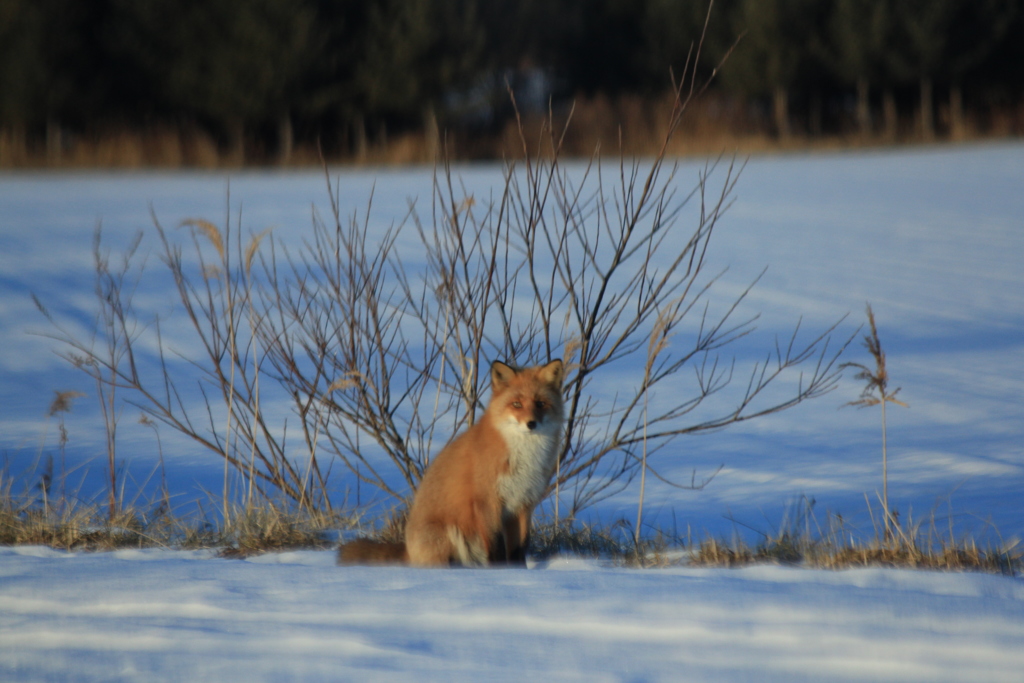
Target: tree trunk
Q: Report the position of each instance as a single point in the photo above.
(863, 108)
(54, 141)
(431, 133)
(359, 133)
(780, 106)
(285, 139)
(957, 125)
(14, 148)
(815, 118)
(890, 116)
(236, 143)
(927, 120)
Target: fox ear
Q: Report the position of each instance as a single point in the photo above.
(552, 373)
(501, 375)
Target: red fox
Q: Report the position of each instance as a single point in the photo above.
(474, 504)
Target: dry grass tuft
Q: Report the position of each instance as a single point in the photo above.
(716, 553)
(393, 530)
(801, 541)
(876, 392)
(906, 545)
(963, 557)
(270, 527)
(62, 401)
(814, 553)
(66, 524)
(577, 538)
(84, 527)
(210, 231)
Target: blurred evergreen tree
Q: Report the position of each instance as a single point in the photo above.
(854, 48)
(939, 41)
(227, 63)
(773, 55)
(51, 66)
(415, 52)
(998, 80)
(332, 101)
(257, 70)
(978, 29)
(599, 45)
(923, 30)
(672, 33)
(23, 67)
(523, 39)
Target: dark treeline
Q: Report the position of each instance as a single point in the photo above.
(259, 78)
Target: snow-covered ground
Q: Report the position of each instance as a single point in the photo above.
(158, 615)
(932, 238)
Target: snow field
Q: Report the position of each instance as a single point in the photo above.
(158, 615)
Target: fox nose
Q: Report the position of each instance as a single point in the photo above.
(531, 425)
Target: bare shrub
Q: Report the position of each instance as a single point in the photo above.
(387, 360)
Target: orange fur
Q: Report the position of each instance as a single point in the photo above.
(366, 551)
(476, 499)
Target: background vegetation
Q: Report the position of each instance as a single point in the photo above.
(209, 82)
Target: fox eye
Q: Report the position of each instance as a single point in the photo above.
(517, 404)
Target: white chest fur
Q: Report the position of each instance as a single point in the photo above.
(532, 455)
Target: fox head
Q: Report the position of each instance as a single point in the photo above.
(530, 397)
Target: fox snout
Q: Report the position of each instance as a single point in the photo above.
(538, 413)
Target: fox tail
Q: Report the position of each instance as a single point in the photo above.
(366, 551)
